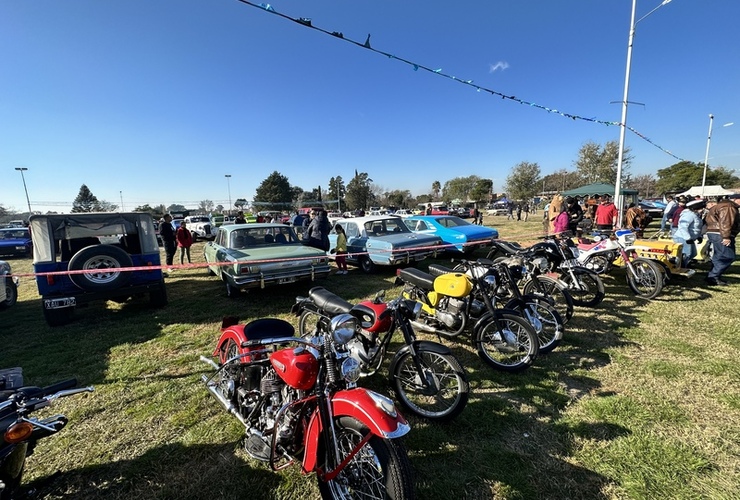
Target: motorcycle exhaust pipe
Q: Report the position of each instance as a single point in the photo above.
(228, 405)
(424, 327)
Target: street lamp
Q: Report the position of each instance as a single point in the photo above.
(21, 170)
(706, 155)
(228, 185)
(623, 123)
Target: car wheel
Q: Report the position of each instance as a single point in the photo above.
(11, 294)
(103, 264)
(367, 265)
(158, 295)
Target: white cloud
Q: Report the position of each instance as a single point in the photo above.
(502, 65)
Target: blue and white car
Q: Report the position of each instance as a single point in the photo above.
(383, 240)
(458, 235)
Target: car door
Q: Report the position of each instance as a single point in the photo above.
(356, 240)
(213, 251)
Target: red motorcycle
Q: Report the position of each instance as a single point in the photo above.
(294, 407)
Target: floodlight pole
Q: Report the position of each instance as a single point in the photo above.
(21, 170)
(228, 185)
(706, 156)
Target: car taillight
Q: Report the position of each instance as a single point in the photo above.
(49, 279)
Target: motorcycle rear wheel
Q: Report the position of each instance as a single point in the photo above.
(552, 288)
(495, 346)
(379, 470)
(309, 323)
(587, 289)
(446, 393)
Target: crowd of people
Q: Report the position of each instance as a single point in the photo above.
(688, 220)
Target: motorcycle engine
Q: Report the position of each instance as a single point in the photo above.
(448, 312)
(361, 349)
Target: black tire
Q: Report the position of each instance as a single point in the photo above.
(11, 293)
(58, 317)
(380, 469)
(100, 258)
(587, 289)
(648, 279)
(367, 265)
(563, 300)
(513, 348)
(231, 291)
(446, 394)
(546, 321)
(158, 296)
(309, 323)
(210, 272)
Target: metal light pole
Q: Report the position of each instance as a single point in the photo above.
(706, 156)
(228, 185)
(120, 193)
(623, 123)
(21, 170)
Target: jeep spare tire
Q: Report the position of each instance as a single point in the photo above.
(100, 262)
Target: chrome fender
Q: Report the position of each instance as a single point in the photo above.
(375, 411)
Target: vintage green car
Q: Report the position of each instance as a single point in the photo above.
(250, 255)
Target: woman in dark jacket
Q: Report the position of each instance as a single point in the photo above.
(318, 231)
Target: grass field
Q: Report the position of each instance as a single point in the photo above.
(641, 400)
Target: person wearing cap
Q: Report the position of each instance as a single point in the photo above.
(688, 230)
(676, 215)
(723, 225)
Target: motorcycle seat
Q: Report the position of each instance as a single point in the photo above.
(265, 328)
(509, 247)
(418, 278)
(438, 270)
(329, 302)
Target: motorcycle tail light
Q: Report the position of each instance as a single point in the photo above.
(18, 432)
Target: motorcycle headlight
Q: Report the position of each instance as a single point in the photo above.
(343, 328)
(351, 370)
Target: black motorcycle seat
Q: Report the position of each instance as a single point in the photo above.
(509, 247)
(418, 278)
(266, 328)
(438, 270)
(329, 302)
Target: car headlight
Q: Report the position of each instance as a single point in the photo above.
(351, 370)
(343, 328)
(4, 266)
(253, 269)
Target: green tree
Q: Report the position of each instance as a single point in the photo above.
(597, 164)
(85, 201)
(560, 180)
(176, 208)
(146, 209)
(359, 192)
(240, 203)
(274, 193)
(645, 185)
(397, 198)
(482, 190)
(461, 188)
(685, 174)
(105, 206)
(521, 184)
(336, 190)
(205, 205)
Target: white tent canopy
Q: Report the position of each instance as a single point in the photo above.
(715, 190)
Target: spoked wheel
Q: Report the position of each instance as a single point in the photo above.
(309, 323)
(512, 346)
(647, 281)
(585, 286)
(546, 321)
(550, 287)
(439, 393)
(379, 470)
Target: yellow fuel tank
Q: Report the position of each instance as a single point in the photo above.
(453, 285)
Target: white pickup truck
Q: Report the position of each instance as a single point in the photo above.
(201, 226)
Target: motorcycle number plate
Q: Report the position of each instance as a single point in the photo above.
(570, 263)
(60, 303)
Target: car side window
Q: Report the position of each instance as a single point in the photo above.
(421, 225)
(351, 230)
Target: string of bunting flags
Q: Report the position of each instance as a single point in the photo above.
(306, 22)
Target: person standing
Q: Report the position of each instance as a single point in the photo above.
(676, 213)
(167, 233)
(184, 241)
(429, 209)
(667, 213)
(606, 215)
(526, 211)
(560, 224)
(318, 231)
(240, 218)
(635, 219)
(556, 206)
(723, 225)
(575, 214)
(545, 220)
(341, 249)
(476, 215)
(689, 229)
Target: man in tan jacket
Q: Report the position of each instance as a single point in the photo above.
(723, 225)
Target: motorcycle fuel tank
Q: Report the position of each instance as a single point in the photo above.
(296, 367)
(453, 285)
(380, 325)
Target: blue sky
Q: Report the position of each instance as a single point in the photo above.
(155, 101)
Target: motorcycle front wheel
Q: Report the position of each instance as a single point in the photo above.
(647, 280)
(550, 287)
(546, 321)
(379, 470)
(439, 393)
(585, 286)
(509, 344)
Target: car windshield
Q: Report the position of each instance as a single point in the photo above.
(262, 236)
(199, 219)
(382, 227)
(452, 221)
(12, 234)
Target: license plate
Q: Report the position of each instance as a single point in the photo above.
(570, 263)
(60, 303)
(286, 280)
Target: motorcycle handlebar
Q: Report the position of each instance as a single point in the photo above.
(59, 386)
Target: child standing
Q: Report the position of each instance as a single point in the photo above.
(341, 250)
(184, 241)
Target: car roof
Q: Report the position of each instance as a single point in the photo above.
(253, 225)
(370, 218)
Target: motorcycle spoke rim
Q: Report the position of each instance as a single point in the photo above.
(444, 379)
(493, 344)
(364, 470)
